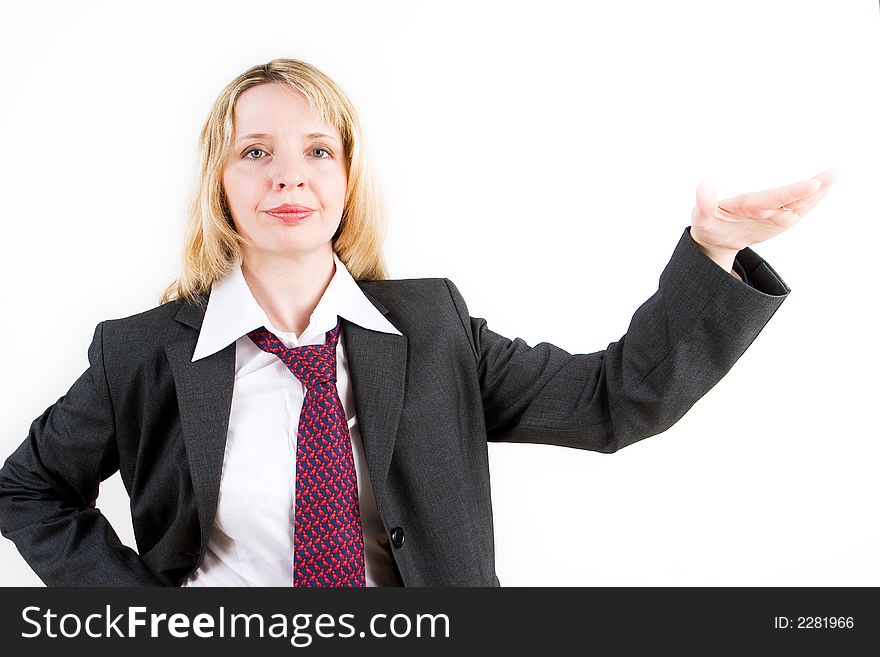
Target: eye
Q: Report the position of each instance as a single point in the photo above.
(324, 150)
(260, 150)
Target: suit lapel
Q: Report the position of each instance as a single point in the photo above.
(204, 398)
(377, 368)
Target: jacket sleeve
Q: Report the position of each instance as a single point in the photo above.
(678, 345)
(49, 485)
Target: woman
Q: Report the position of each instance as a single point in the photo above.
(288, 416)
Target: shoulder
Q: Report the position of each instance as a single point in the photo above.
(163, 323)
(403, 288)
(408, 293)
(392, 288)
(161, 313)
(427, 307)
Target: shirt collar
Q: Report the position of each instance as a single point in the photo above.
(233, 311)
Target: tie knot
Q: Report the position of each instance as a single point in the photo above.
(312, 363)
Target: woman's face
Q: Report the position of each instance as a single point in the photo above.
(288, 163)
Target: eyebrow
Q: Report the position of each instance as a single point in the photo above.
(264, 135)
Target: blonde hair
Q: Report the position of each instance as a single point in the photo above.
(212, 244)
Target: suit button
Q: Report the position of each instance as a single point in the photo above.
(397, 537)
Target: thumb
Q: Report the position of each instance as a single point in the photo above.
(707, 199)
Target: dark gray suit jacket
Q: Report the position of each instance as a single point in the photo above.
(427, 402)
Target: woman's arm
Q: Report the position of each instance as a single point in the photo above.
(49, 485)
(679, 343)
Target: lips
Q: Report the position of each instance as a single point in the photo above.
(290, 213)
(289, 209)
(290, 217)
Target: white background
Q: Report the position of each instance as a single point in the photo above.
(544, 157)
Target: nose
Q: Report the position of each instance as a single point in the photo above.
(288, 171)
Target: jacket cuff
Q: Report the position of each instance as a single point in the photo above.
(752, 268)
(757, 273)
(692, 282)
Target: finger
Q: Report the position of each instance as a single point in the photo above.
(811, 200)
(811, 203)
(784, 218)
(775, 198)
(794, 205)
(828, 177)
(707, 199)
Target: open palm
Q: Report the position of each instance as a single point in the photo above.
(735, 223)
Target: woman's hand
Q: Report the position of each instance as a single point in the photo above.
(723, 228)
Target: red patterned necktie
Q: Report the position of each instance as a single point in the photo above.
(328, 541)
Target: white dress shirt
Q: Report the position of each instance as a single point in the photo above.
(251, 543)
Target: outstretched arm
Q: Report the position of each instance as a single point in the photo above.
(679, 343)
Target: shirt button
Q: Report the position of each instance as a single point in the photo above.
(397, 537)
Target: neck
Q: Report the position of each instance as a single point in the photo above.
(288, 287)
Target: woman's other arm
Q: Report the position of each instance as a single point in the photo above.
(49, 485)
